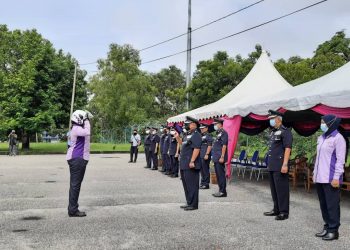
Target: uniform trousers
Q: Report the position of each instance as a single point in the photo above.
(279, 184)
(221, 176)
(174, 165)
(190, 182)
(205, 174)
(77, 168)
(147, 154)
(330, 205)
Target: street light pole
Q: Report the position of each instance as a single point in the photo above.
(73, 95)
(189, 48)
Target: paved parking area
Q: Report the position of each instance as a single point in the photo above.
(130, 207)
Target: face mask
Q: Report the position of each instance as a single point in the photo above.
(272, 123)
(216, 127)
(172, 132)
(154, 132)
(324, 127)
(184, 130)
(147, 132)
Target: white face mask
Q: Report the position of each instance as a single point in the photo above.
(216, 127)
(147, 132)
(172, 132)
(154, 132)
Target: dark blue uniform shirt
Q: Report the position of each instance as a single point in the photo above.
(148, 140)
(280, 139)
(220, 141)
(207, 140)
(162, 137)
(191, 141)
(154, 140)
(166, 144)
(173, 146)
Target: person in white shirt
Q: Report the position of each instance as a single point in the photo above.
(135, 141)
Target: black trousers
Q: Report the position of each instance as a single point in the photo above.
(147, 154)
(174, 165)
(330, 205)
(221, 176)
(190, 182)
(77, 168)
(166, 162)
(133, 153)
(154, 159)
(205, 174)
(279, 184)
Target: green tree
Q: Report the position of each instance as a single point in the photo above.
(36, 83)
(170, 84)
(121, 93)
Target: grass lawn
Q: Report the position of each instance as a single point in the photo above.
(62, 147)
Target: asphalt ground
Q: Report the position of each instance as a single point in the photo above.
(130, 207)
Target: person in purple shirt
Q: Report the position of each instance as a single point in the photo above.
(78, 156)
(328, 175)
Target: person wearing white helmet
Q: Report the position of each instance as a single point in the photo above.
(78, 157)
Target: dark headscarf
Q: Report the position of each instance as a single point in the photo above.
(332, 123)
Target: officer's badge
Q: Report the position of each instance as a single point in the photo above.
(278, 132)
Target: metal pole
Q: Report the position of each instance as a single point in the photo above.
(73, 95)
(189, 48)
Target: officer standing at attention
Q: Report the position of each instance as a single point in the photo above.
(173, 154)
(190, 163)
(219, 153)
(155, 139)
(162, 138)
(147, 144)
(207, 143)
(280, 147)
(165, 149)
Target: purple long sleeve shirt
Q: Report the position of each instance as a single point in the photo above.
(330, 158)
(80, 142)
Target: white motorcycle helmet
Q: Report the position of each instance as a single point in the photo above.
(78, 117)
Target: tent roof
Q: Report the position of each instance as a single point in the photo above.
(263, 80)
(332, 90)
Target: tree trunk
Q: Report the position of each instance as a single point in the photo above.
(25, 140)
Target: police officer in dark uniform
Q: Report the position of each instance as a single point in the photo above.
(280, 146)
(147, 144)
(207, 143)
(173, 154)
(190, 163)
(165, 150)
(155, 139)
(219, 154)
(161, 143)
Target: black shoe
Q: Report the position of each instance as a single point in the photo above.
(77, 214)
(154, 168)
(146, 167)
(134, 161)
(322, 234)
(130, 162)
(220, 195)
(167, 173)
(190, 208)
(204, 187)
(281, 217)
(184, 206)
(174, 176)
(331, 236)
(271, 213)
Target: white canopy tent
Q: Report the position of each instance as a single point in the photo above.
(262, 81)
(331, 90)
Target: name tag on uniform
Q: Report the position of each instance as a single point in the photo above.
(278, 132)
(189, 137)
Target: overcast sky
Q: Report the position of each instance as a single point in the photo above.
(85, 28)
